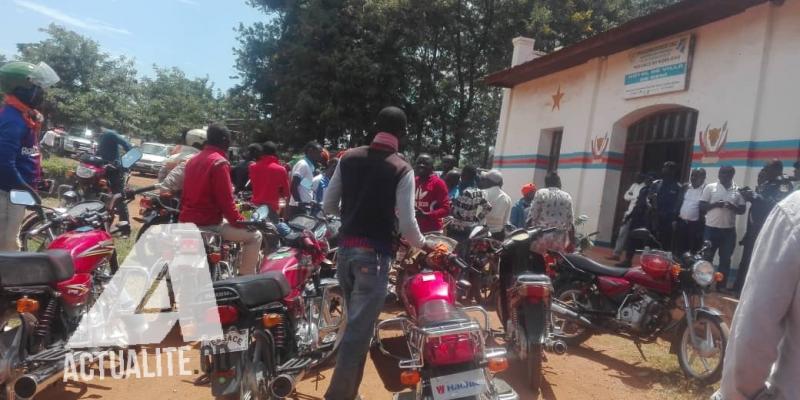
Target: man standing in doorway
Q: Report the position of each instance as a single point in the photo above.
(665, 198)
(431, 201)
(689, 229)
(721, 202)
(774, 188)
(630, 196)
(375, 188)
(303, 178)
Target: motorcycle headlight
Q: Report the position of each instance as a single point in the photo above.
(84, 172)
(703, 273)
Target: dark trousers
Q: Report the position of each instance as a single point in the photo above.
(689, 236)
(724, 241)
(748, 243)
(116, 182)
(664, 233)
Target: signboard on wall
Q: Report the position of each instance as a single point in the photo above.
(660, 67)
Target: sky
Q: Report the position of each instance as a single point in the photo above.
(195, 35)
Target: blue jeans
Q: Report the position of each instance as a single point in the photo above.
(363, 275)
(724, 241)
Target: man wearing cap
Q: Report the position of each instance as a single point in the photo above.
(520, 210)
(497, 218)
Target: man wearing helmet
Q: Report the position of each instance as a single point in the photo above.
(23, 85)
(173, 176)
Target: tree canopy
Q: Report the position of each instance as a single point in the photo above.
(321, 69)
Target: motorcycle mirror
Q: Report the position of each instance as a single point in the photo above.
(22, 198)
(131, 157)
(641, 234)
(478, 231)
(464, 284)
(582, 218)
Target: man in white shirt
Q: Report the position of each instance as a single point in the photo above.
(497, 218)
(302, 180)
(721, 202)
(690, 225)
(764, 345)
(630, 196)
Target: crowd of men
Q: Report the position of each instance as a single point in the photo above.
(377, 193)
(684, 216)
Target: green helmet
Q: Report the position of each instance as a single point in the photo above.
(22, 74)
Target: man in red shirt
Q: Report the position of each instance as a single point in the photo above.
(269, 179)
(431, 198)
(208, 196)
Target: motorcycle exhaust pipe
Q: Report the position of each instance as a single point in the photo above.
(284, 384)
(29, 385)
(557, 347)
(565, 312)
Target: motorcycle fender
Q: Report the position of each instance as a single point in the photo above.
(675, 334)
(534, 316)
(228, 384)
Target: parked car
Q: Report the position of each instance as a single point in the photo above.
(78, 141)
(155, 154)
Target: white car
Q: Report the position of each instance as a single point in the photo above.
(79, 141)
(153, 158)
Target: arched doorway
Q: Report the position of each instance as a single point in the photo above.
(665, 135)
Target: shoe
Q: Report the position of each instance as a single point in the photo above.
(613, 258)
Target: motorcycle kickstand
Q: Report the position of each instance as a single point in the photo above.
(639, 347)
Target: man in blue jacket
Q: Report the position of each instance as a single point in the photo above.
(23, 85)
(108, 144)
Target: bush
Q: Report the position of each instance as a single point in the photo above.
(56, 168)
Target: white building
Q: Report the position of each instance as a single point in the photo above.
(703, 83)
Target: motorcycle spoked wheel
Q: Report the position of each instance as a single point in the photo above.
(250, 388)
(485, 285)
(221, 271)
(713, 334)
(534, 365)
(570, 332)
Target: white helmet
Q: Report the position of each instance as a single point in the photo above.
(196, 137)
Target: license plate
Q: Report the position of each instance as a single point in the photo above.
(462, 384)
(236, 340)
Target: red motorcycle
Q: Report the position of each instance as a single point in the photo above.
(283, 321)
(449, 357)
(664, 297)
(91, 179)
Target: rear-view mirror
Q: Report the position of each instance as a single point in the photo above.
(478, 231)
(22, 198)
(131, 157)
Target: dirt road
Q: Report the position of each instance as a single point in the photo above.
(604, 367)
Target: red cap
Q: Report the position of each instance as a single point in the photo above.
(528, 188)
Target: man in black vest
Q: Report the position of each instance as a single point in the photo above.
(373, 185)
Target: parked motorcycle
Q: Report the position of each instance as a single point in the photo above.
(449, 357)
(280, 323)
(525, 308)
(479, 251)
(664, 297)
(91, 179)
(156, 208)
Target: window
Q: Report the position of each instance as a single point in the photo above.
(555, 149)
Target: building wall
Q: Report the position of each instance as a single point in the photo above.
(745, 76)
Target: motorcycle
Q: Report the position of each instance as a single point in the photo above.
(156, 208)
(449, 357)
(91, 180)
(479, 252)
(280, 323)
(52, 291)
(525, 308)
(664, 297)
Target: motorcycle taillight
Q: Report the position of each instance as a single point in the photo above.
(535, 293)
(144, 203)
(227, 315)
(451, 349)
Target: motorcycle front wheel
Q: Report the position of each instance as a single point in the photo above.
(39, 241)
(702, 361)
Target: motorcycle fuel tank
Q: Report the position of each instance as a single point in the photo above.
(75, 291)
(289, 262)
(613, 287)
(87, 246)
(426, 286)
(638, 276)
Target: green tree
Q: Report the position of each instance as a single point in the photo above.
(93, 84)
(3, 59)
(170, 102)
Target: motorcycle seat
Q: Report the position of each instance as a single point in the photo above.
(257, 290)
(93, 160)
(438, 313)
(28, 269)
(589, 265)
